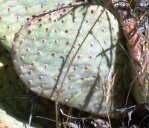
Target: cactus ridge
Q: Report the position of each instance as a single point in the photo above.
(43, 48)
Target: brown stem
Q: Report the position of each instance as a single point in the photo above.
(128, 23)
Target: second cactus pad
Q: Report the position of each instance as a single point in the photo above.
(44, 47)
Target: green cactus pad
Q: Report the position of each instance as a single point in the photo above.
(14, 13)
(45, 46)
(7, 121)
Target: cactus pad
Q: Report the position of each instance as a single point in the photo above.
(15, 13)
(7, 121)
(44, 47)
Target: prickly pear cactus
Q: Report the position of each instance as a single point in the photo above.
(15, 13)
(7, 121)
(58, 56)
